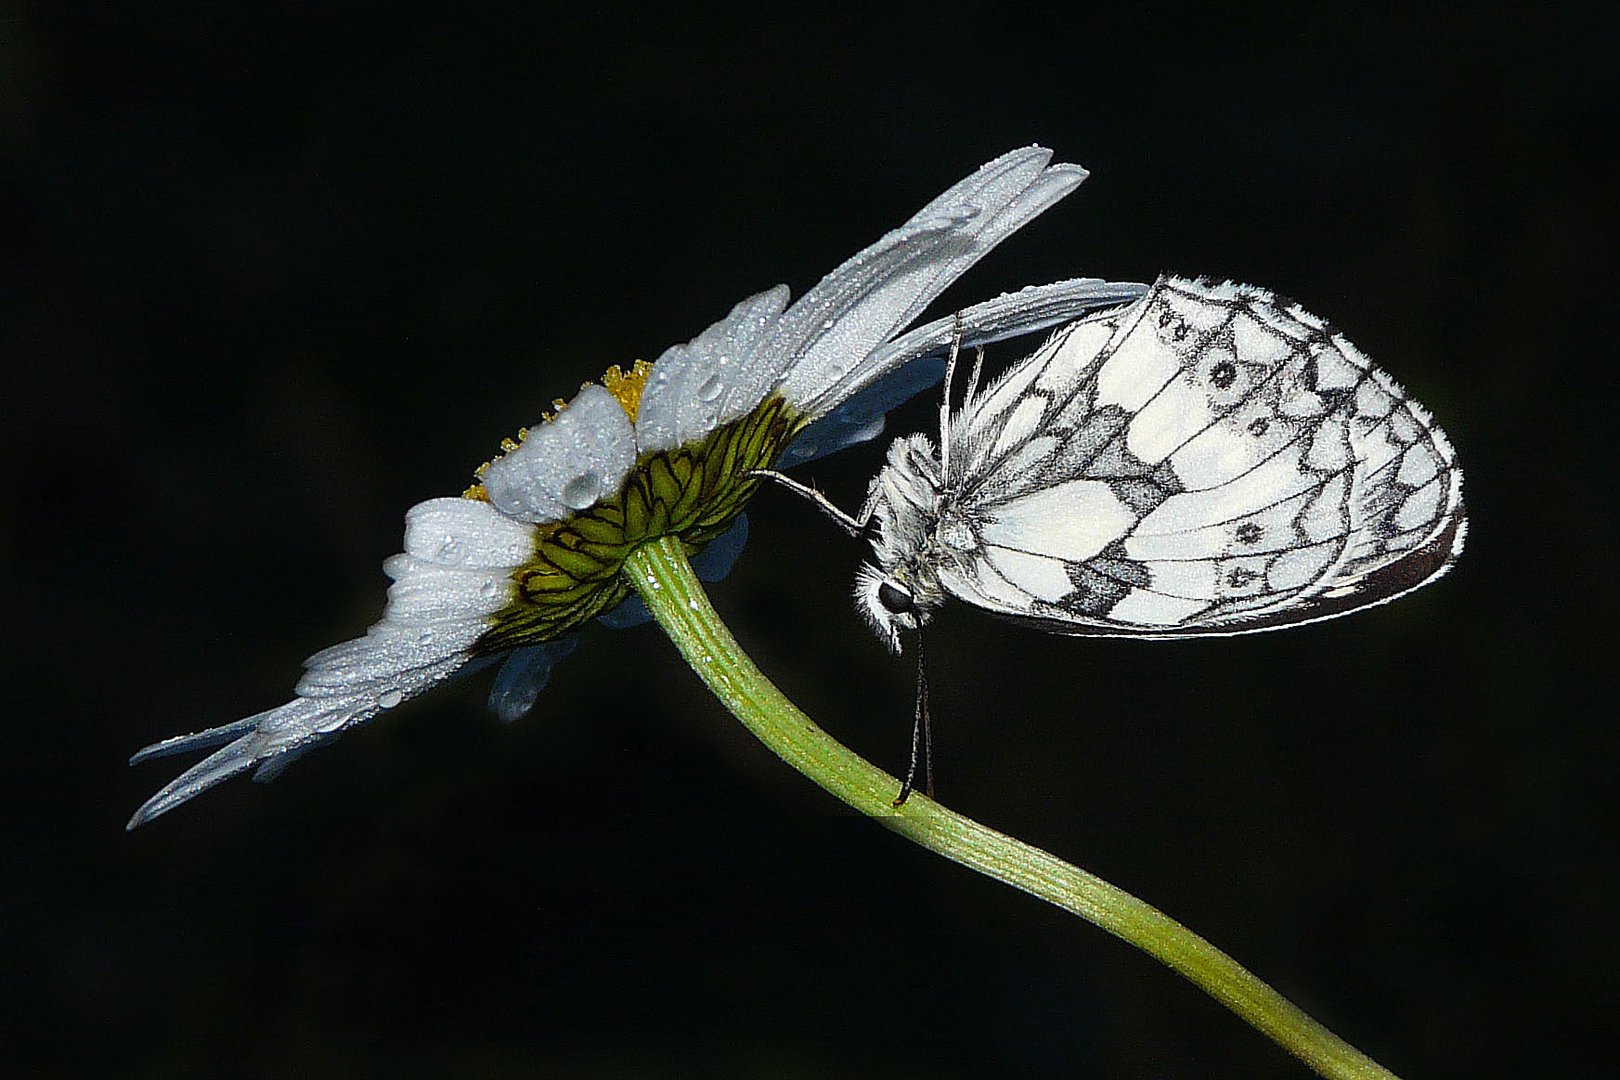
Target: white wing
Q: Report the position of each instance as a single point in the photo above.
(1212, 459)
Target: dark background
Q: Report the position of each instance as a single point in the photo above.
(275, 275)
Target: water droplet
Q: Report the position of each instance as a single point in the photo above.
(710, 388)
(425, 637)
(488, 587)
(450, 550)
(582, 490)
(390, 698)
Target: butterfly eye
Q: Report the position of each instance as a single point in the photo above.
(895, 601)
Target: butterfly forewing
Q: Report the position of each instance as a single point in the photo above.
(1209, 460)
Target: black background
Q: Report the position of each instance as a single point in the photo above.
(276, 274)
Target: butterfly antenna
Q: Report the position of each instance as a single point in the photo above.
(973, 378)
(945, 399)
(922, 737)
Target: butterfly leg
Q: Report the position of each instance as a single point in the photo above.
(855, 528)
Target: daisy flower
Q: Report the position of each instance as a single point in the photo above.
(513, 568)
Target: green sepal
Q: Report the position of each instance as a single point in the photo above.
(693, 493)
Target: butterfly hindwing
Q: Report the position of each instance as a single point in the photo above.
(1209, 460)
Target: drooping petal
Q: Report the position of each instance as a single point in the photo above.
(1035, 307)
(566, 464)
(524, 674)
(714, 562)
(861, 418)
(454, 574)
(914, 361)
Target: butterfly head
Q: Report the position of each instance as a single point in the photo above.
(899, 590)
(894, 603)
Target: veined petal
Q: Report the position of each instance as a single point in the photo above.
(565, 464)
(862, 310)
(454, 575)
(455, 532)
(689, 384)
(914, 361)
(1032, 308)
(817, 351)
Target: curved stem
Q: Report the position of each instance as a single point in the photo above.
(664, 578)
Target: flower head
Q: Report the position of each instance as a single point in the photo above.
(534, 550)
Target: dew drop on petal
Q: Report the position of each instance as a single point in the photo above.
(582, 490)
(425, 637)
(450, 550)
(710, 388)
(390, 698)
(488, 587)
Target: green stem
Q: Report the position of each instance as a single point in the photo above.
(664, 578)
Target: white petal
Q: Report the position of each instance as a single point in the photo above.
(567, 464)
(466, 532)
(833, 328)
(861, 418)
(692, 384)
(454, 575)
(818, 352)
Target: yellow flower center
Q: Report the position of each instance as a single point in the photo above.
(625, 387)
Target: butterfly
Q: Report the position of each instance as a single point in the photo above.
(1209, 459)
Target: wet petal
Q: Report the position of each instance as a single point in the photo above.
(454, 575)
(566, 464)
(1035, 307)
(834, 328)
(861, 418)
(817, 351)
(692, 384)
